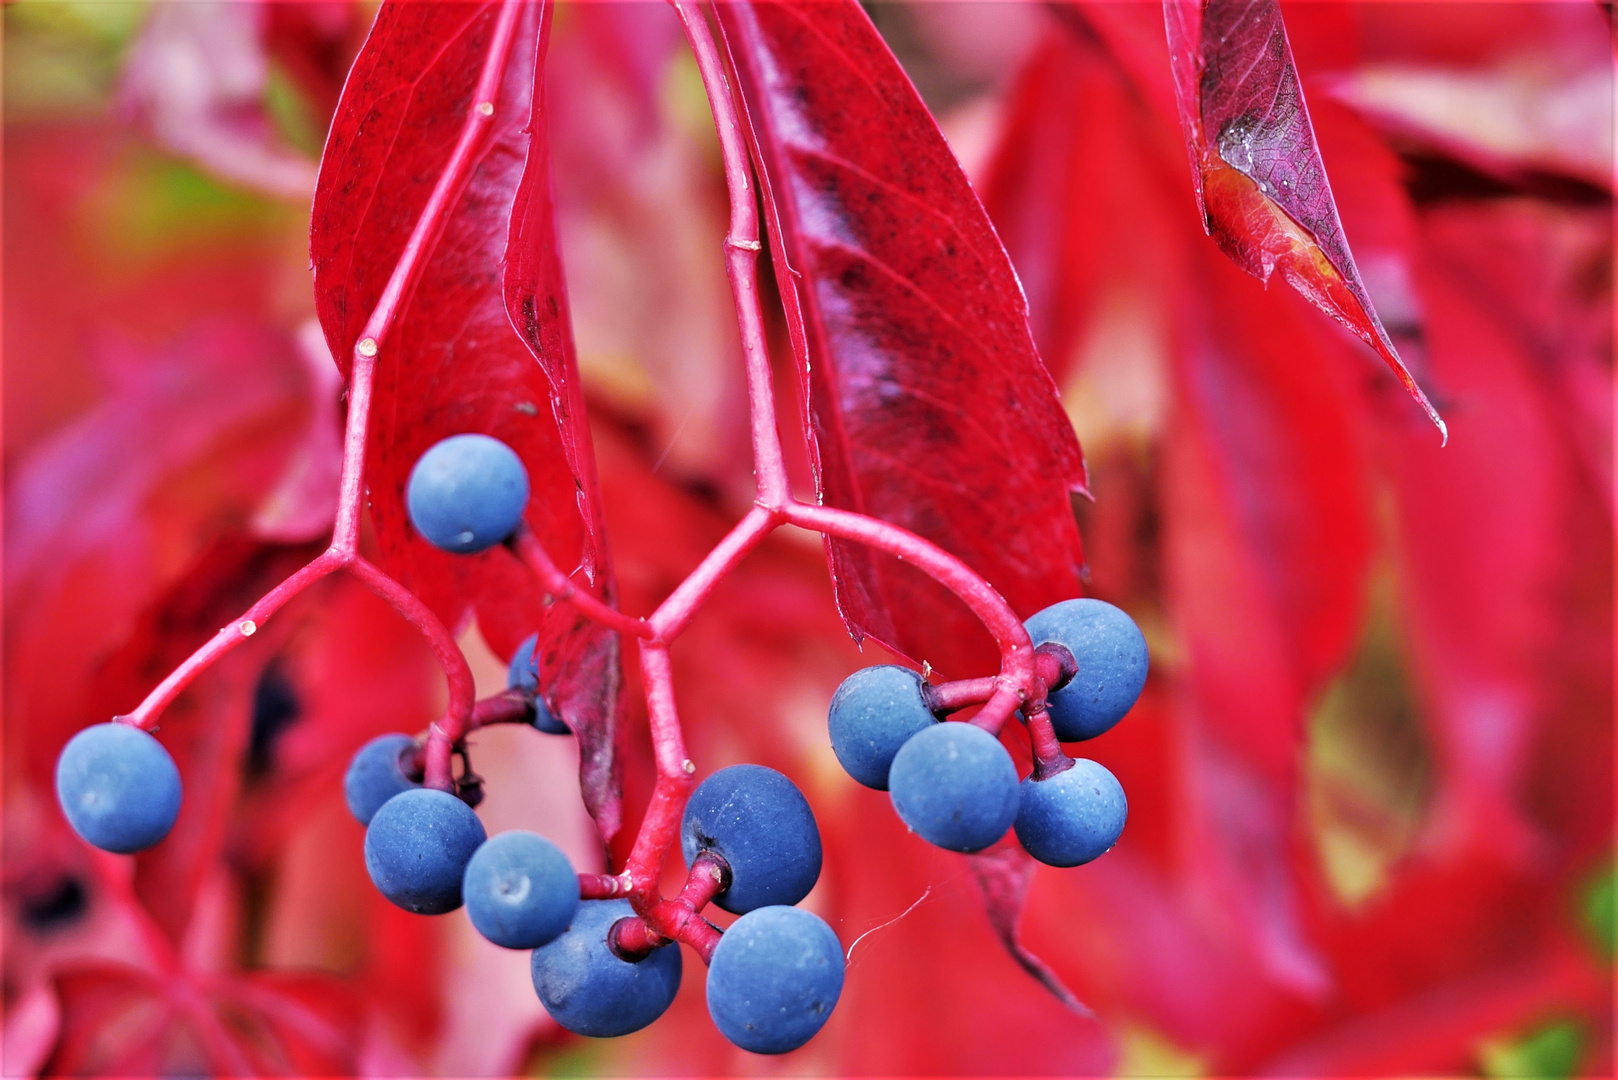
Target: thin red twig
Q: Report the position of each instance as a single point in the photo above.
(506, 707)
(562, 589)
(678, 919)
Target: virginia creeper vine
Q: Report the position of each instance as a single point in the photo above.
(1024, 677)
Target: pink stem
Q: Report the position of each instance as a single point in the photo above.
(146, 713)
(526, 546)
(1053, 666)
(960, 694)
(675, 612)
(742, 247)
(600, 886)
(507, 707)
(1049, 757)
(678, 919)
(474, 133)
(1016, 677)
(442, 735)
(660, 826)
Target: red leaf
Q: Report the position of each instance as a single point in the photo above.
(577, 658)
(1520, 91)
(1265, 532)
(1003, 874)
(1504, 630)
(1438, 1032)
(119, 1020)
(196, 79)
(452, 362)
(926, 402)
(1259, 177)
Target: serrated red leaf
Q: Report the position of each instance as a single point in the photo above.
(925, 400)
(1259, 177)
(453, 362)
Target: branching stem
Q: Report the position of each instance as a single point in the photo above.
(343, 554)
(1021, 683)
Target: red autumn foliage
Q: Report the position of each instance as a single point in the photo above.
(1371, 778)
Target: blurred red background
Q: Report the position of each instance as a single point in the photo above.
(1370, 781)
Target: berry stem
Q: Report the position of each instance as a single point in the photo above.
(660, 826)
(949, 697)
(345, 534)
(600, 886)
(526, 546)
(443, 734)
(1016, 677)
(677, 919)
(239, 630)
(506, 707)
(1049, 757)
(480, 117)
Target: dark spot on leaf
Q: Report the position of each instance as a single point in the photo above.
(275, 709)
(56, 906)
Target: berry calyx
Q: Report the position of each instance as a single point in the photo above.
(774, 979)
(519, 889)
(118, 787)
(1110, 653)
(378, 771)
(467, 493)
(761, 825)
(873, 713)
(417, 848)
(1072, 817)
(955, 786)
(589, 989)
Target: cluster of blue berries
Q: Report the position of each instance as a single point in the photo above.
(956, 786)
(776, 973)
(773, 979)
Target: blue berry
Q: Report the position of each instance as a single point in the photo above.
(872, 714)
(520, 890)
(118, 787)
(589, 989)
(378, 771)
(955, 786)
(417, 848)
(761, 824)
(1111, 656)
(1072, 817)
(467, 493)
(522, 677)
(774, 979)
(520, 673)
